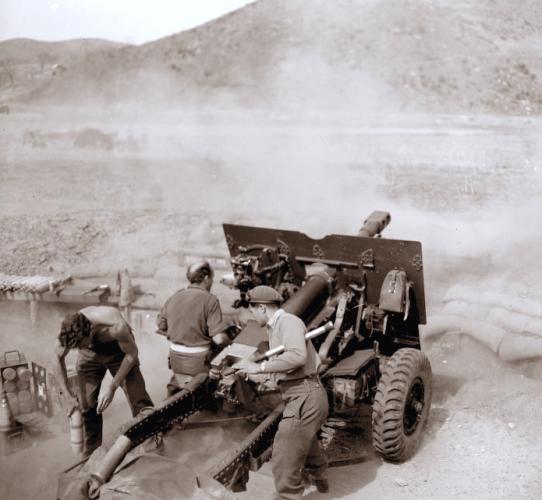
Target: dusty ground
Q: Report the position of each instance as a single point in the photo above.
(468, 188)
(481, 442)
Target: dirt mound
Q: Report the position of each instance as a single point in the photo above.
(93, 244)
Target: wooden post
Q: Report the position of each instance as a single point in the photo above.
(126, 294)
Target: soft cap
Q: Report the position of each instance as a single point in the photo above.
(264, 295)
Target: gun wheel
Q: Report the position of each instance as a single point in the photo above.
(401, 405)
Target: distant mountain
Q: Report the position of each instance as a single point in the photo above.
(24, 50)
(27, 66)
(419, 55)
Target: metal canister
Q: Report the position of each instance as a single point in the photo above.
(10, 386)
(9, 374)
(13, 400)
(76, 431)
(26, 404)
(112, 459)
(23, 373)
(6, 414)
(23, 385)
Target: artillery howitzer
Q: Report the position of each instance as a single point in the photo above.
(362, 297)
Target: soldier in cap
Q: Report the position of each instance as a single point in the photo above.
(191, 319)
(104, 342)
(296, 449)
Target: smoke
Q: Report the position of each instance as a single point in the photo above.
(316, 150)
(477, 215)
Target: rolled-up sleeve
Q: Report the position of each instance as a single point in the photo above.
(161, 320)
(291, 334)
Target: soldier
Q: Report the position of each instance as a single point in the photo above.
(295, 370)
(191, 319)
(104, 342)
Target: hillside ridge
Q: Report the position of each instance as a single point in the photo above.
(437, 56)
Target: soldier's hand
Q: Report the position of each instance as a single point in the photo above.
(93, 488)
(245, 366)
(70, 404)
(214, 373)
(106, 396)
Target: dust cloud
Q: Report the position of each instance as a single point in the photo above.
(468, 189)
(307, 153)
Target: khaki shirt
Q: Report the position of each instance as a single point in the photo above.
(191, 316)
(299, 359)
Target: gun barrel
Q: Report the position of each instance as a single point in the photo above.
(310, 298)
(375, 224)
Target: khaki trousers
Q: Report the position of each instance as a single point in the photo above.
(296, 446)
(91, 369)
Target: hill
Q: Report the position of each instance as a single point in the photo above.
(27, 51)
(28, 65)
(438, 55)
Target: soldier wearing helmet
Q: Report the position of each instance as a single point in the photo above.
(295, 371)
(191, 319)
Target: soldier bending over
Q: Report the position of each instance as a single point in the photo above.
(104, 342)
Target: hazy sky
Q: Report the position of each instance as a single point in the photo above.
(134, 21)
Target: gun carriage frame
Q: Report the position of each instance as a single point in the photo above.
(371, 289)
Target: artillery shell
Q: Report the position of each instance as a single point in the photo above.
(9, 374)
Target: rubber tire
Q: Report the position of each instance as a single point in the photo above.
(404, 369)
